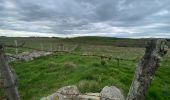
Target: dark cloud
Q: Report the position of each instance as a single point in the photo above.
(107, 17)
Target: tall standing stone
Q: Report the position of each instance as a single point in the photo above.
(8, 77)
(146, 69)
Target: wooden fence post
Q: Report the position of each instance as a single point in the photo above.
(9, 78)
(146, 69)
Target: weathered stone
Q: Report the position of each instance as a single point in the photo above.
(146, 69)
(51, 97)
(112, 93)
(27, 56)
(64, 93)
(89, 96)
(9, 80)
(68, 92)
(72, 93)
(93, 94)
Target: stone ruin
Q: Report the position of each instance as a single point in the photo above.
(72, 93)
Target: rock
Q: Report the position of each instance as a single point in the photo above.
(146, 69)
(89, 96)
(72, 93)
(68, 92)
(64, 93)
(51, 97)
(112, 93)
(27, 56)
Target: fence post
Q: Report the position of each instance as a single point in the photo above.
(42, 48)
(51, 48)
(118, 61)
(9, 78)
(16, 46)
(63, 48)
(146, 69)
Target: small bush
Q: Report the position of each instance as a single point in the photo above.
(103, 62)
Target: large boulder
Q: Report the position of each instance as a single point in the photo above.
(111, 93)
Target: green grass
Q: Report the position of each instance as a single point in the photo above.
(43, 76)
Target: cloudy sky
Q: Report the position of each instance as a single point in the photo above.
(70, 18)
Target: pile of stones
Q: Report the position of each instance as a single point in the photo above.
(72, 93)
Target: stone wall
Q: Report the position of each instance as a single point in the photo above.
(27, 56)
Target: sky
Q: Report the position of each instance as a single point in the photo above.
(72, 18)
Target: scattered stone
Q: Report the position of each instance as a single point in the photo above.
(72, 93)
(112, 93)
(90, 96)
(69, 90)
(64, 93)
(27, 56)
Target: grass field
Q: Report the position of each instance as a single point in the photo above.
(44, 75)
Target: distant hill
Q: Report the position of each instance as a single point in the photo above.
(93, 40)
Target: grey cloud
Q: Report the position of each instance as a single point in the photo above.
(80, 16)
